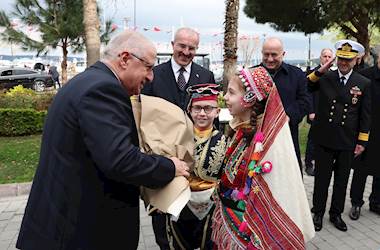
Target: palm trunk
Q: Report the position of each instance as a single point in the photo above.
(230, 40)
(91, 26)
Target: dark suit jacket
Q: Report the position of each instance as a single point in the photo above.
(165, 85)
(338, 120)
(85, 193)
(368, 161)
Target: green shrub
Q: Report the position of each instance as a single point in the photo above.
(221, 101)
(23, 98)
(14, 122)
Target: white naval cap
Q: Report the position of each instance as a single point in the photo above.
(348, 49)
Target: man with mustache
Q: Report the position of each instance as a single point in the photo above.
(171, 79)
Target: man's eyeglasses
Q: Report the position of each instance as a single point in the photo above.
(184, 46)
(207, 109)
(148, 65)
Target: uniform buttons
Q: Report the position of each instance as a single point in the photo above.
(332, 107)
(330, 120)
(331, 113)
(345, 110)
(344, 117)
(346, 105)
(334, 101)
(342, 123)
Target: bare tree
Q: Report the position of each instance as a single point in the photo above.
(247, 46)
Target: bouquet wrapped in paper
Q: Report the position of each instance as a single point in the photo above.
(166, 130)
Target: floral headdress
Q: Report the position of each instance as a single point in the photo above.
(257, 83)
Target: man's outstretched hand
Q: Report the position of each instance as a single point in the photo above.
(181, 168)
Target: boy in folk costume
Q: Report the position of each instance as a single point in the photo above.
(193, 228)
(261, 201)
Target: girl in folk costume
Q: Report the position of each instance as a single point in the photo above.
(261, 201)
(193, 228)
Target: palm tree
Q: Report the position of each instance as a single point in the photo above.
(91, 28)
(230, 40)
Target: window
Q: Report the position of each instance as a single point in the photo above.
(6, 73)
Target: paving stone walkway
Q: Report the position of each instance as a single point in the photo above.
(362, 234)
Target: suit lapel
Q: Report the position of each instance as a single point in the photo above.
(194, 75)
(168, 70)
(351, 81)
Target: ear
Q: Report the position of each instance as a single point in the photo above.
(217, 112)
(124, 59)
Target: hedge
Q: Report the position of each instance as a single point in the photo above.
(16, 122)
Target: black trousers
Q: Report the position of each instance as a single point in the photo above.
(294, 133)
(159, 228)
(328, 160)
(190, 231)
(358, 185)
(309, 154)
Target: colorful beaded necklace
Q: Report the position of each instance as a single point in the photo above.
(238, 178)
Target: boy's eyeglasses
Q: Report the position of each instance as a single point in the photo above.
(207, 109)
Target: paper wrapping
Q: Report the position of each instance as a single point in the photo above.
(166, 130)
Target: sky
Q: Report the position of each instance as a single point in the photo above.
(206, 16)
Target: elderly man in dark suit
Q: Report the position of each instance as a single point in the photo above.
(85, 193)
(368, 163)
(291, 84)
(341, 128)
(170, 83)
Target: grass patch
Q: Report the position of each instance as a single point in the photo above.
(19, 158)
(19, 155)
(303, 132)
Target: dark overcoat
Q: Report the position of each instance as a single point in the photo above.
(85, 193)
(369, 161)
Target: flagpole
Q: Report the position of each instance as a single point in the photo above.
(134, 14)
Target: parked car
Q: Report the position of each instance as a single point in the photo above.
(28, 78)
(80, 66)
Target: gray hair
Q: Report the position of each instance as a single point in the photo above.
(186, 30)
(323, 50)
(127, 40)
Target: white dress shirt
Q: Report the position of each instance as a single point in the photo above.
(347, 76)
(176, 67)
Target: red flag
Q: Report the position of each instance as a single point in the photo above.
(113, 27)
(156, 29)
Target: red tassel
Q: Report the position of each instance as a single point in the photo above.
(240, 195)
(243, 227)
